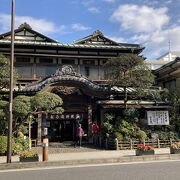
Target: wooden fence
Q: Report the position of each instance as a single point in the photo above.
(132, 144)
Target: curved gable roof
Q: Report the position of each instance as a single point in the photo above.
(97, 38)
(67, 76)
(26, 33)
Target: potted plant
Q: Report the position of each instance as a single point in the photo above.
(144, 150)
(28, 156)
(175, 148)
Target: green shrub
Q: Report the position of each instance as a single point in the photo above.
(131, 114)
(21, 144)
(141, 135)
(3, 145)
(18, 144)
(123, 128)
(17, 147)
(106, 128)
(109, 117)
(119, 136)
(163, 135)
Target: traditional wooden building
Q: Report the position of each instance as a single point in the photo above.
(73, 71)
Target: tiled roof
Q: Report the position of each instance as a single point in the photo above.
(54, 44)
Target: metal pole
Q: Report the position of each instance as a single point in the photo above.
(9, 143)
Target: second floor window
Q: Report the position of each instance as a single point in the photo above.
(45, 60)
(23, 59)
(68, 61)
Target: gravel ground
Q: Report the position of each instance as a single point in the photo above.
(59, 148)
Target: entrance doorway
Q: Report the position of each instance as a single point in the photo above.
(59, 131)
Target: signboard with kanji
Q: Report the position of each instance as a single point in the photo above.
(158, 117)
(66, 116)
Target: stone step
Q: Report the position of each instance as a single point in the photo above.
(64, 144)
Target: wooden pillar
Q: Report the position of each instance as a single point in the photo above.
(89, 122)
(102, 116)
(39, 130)
(101, 143)
(99, 77)
(34, 71)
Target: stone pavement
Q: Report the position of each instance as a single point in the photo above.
(71, 156)
(83, 153)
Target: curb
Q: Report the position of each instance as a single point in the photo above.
(20, 165)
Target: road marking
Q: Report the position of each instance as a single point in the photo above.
(85, 165)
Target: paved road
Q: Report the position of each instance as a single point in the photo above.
(140, 171)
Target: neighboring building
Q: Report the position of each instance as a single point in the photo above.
(162, 60)
(169, 56)
(168, 76)
(154, 64)
(74, 72)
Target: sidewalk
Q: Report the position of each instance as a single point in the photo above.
(64, 154)
(90, 157)
(79, 155)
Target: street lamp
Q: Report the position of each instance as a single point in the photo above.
(9, 143)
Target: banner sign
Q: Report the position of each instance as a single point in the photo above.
(158, 117)
(68, 116)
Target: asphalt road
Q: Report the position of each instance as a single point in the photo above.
(141, 171)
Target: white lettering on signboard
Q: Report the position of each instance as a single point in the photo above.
(158, 117)
(72, 116)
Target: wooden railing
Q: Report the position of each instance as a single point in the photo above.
(132, 144)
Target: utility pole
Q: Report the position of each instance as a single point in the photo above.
(9, 143)
(170, 57)
(169, 44)
(30, 121)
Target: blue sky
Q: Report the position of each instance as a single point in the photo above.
(152, 23)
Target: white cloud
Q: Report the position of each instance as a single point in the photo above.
(41, 25)
(79, 27)
(5, 21)
(118, 39)
(140, 38)
(140, 18)
(90, 5)
(150, 27)
(159, 42)
(94, 10)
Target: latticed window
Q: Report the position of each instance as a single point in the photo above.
(23, 59)
(46, 60)
(90, 62)
(68, 61)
